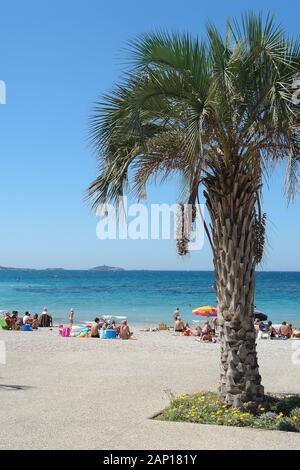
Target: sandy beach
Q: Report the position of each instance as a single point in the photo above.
(78, 393)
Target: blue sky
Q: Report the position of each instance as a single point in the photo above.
(56, 58)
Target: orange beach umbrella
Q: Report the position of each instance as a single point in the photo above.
(205, 311)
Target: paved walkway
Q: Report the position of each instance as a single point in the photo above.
(84, 393)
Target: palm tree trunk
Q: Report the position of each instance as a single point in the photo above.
(231, 198)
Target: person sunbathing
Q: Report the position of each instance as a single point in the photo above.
(197, 331)
(95, 328)
(296, 333)
(285, 330)
(124, 331)
(187, 330)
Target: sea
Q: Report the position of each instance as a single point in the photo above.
(145, 297)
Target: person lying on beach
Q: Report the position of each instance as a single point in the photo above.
(197, 331)
(124, 331)
(296, 333)
(179, 326)
(207, 338)
(95, 328)
(285, 331)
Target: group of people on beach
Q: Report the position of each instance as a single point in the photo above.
(206, 333)
(122, 330)
(284, 331)
(15, 321)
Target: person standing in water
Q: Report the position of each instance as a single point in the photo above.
(176, 314)
(71, 317)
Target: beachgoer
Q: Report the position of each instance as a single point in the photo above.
(176, 314)
(35, 322)
(296, 333)
(14, 322)
(216, 324)
(8, 320)
(124, 331)
(26, 318)
(95, 328)
(71, 317)
(179, 325)
(197, 331)
(257, 326)
(206, 330)
(45, 319)
(112, 325)
(285, 330)
(271, 330)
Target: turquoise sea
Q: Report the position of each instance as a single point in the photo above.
(146, 297)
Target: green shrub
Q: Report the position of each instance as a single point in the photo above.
(286, 424)
(266, 421)
(295, 416)
(287, 404)
(208, 408)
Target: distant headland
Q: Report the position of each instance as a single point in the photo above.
(104, 267)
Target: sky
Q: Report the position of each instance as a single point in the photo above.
(56, 59)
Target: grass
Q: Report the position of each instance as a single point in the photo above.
(278, 412)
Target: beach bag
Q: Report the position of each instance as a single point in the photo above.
(26, 328)
(3, 324)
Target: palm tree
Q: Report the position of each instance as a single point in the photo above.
(220, 113)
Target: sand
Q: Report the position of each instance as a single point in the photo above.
(76, 393)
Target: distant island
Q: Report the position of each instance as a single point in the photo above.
(96, 268)
(106, 268)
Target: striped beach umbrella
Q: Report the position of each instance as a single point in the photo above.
(205, 311)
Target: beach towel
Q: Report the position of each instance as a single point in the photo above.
(3, 324)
